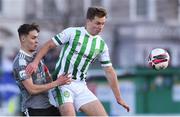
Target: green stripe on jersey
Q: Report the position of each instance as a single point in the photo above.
(80, 55)
(74, 45)
(89, 57)
(57, 39)
(102, 46)
(55, 73)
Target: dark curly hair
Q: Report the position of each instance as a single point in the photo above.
(24, 29)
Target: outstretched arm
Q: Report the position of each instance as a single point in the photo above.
(37, 88)
(32, 67)
(113, 82)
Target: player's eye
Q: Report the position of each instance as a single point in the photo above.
(34, 37)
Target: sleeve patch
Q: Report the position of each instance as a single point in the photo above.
(22, 73)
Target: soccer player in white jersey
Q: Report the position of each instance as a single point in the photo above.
(80, 46)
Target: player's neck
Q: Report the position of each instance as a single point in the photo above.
(89, 31)
(26, 51)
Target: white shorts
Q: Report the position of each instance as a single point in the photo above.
(76, 92)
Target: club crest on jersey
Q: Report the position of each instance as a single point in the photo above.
(22, 73)
(66, 94)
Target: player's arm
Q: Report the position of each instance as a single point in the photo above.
(113, 82)
(111, 74)
(57, 40)
(39, 88)
(42, 52)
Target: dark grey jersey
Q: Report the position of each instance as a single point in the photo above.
(38, 101)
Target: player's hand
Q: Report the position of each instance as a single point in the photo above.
(31, 67)
(122, 103)
(64, 79)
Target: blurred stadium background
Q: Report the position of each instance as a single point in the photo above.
(133, 28)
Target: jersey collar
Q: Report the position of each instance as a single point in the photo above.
(22, 51)
(89, 33)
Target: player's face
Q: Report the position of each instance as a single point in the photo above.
(31, 41)
(96, 25)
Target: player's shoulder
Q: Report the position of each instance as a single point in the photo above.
(100, 38)
(74, 28)
(20, 60)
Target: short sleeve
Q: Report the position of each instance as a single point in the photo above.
(20, 70)
(62, 37)
(104, 57)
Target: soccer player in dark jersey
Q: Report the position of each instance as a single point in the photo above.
(34, 88)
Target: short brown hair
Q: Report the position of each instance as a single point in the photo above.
(24, 29)
(96, 11)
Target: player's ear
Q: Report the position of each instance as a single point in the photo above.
(88, 20)
(22, 38)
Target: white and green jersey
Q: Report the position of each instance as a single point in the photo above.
(78, 51)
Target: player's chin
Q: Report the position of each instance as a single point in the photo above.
(35, 47)
(32, 50)
(97, 32)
